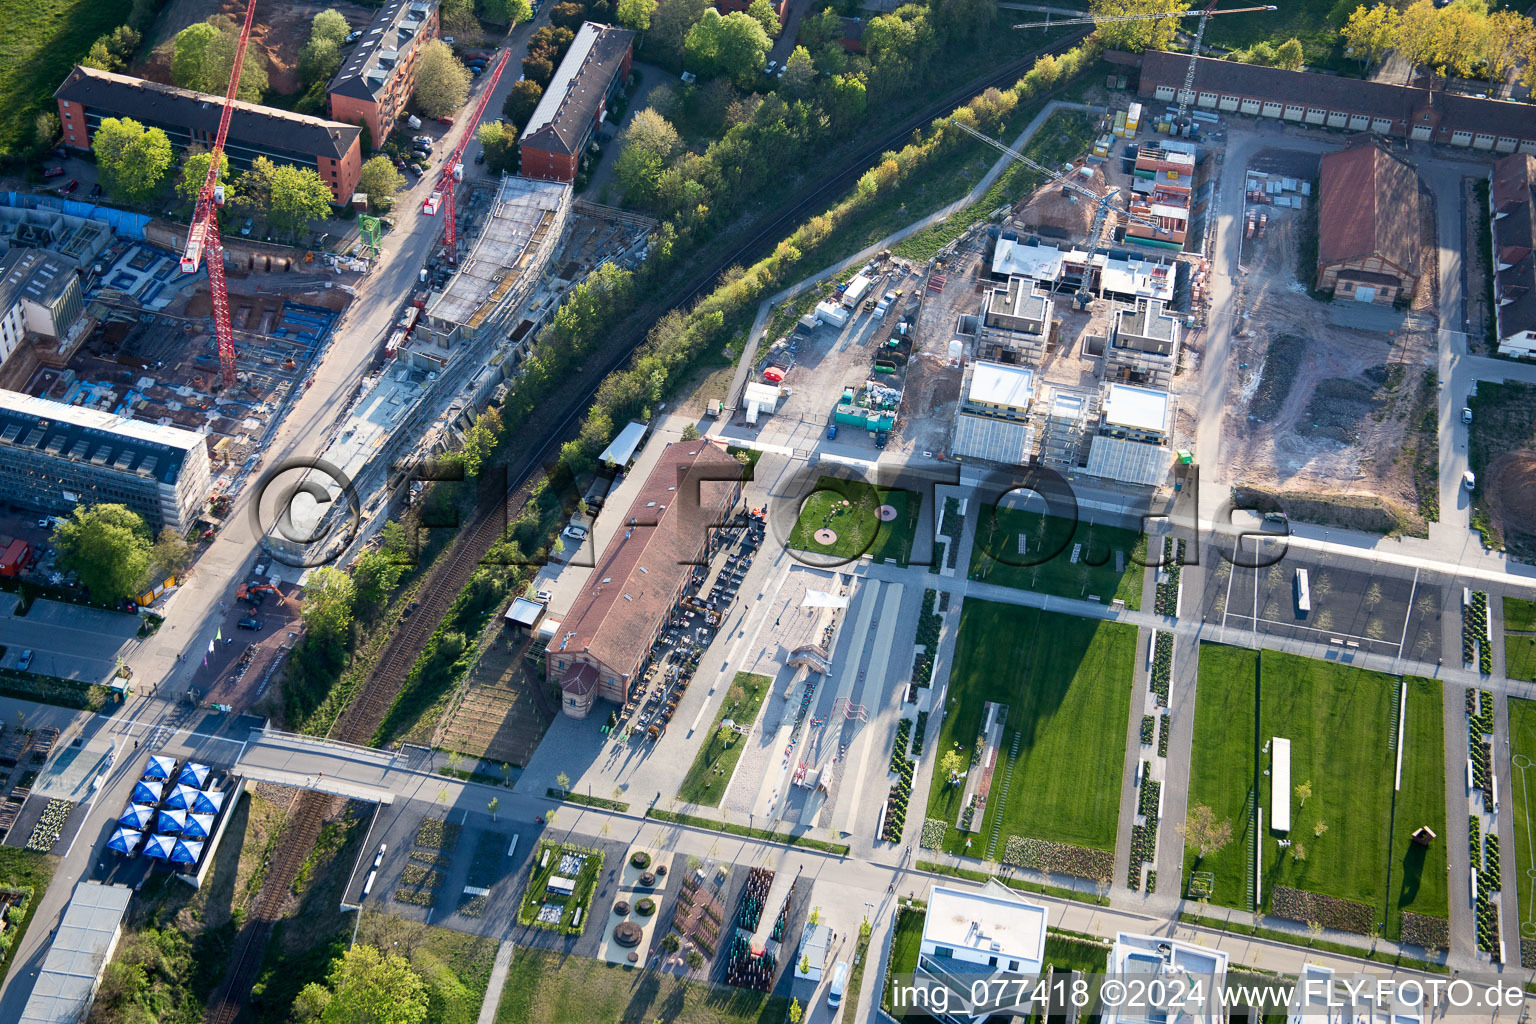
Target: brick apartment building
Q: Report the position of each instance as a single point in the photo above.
(1368, 226)
(1512, 213)
(189, 118)
(604, 644)
(565, 120)
(377, 79)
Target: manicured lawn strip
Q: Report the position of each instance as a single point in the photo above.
(856, 967)
(22, 869)
(1522, 743)
(859, 529)
(1520, 614)
(906, 944)
(1222, 760)
(582, 798)
(1068, 695)
(1272, 935)
(1519, 649)
(546, 987)
(1418, 874)
(995, 556)
(692, 821)
(711, 771)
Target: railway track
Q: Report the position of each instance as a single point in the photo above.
(449, 575)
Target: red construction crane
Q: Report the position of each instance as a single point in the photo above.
(203, 235)
(453, 170)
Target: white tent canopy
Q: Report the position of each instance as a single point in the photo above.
(822, 599)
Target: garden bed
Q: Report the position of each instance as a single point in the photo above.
(551, 908)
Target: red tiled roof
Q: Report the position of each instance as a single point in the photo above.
(1368, 202)
(579, 680)
(638, 577)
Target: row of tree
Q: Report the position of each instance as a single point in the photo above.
(1463, 39)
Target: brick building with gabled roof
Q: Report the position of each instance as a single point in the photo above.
(575, 101)
(1512, 216)
(1368, 225)
(603, 646)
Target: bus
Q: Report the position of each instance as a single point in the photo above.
(1303, 593)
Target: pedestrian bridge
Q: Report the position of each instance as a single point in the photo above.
(324, 766)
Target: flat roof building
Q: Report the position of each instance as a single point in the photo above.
(604, 643)
(992, 420)
(1111, 275)
(77, 955)
(1368, 226)
(1131, 444)
(1143, 344)
(378, 77)
(39, 294)
(969, 936)
(1015, 323)
(576, 101)
(188, 118)
(1140, 960)
(1321, 998)
(525, 225)
(54, 457)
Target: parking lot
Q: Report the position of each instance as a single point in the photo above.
(66, 640)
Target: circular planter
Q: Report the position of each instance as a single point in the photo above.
(640, 859)
(661, 870)
(628, 934)
(621, 908)
(648, 879)
(645, 906)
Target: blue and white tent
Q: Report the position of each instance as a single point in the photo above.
(170, 823)
(159, 768)
(199, 826)
(194, 775)
(145, 794)
(137, 816)
(125, 840)
(180, 798)
(207, 803)
(159, 847)
(186, 853)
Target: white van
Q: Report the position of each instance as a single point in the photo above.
(839, 983)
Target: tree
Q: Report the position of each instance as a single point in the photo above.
(330, 24)
(203, 54)
(1136, 36)
(1319, 828)
(795, 1013)
(171, 554)
(309, 1005)
(521, 102)
(194, 171)
(506, 12)
(289, 196)
(649, 131)
(1202, 831)
(691, 433)
(1304, 792)
(132, 159)
(799, 74)
(1298, 852)
(457, 16)
(45, 128)
(377, 573)
(107, 546)
(1288, 55)
(564, 782)
(380, 180)
(670, 23)
(370, 987)
(100, 58)
(950, 764)
(319, 59)
(735, 46)
(492, 805)
(499, 140)
(1418, 33)
(568, 15)
(1370, 32)
(329, 598)
(442, 83)
(1507, 40)
(1460, 36)
(636, 14)
(763, 13)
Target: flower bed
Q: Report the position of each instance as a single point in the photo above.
(415, 874)
(1474, 633)
(1487, 917)
(1166, 601)
(1059, 858)
(1164, 727)
(1423, 930)
(1479, 748)
(1491, 860)
(472, 906)
(1148, 730)
(436, 860)
(1329, 911)
(1162, 666)
(917, 735)
(418, 897)
(1475, 841)
(640, 859)
(50, 826)
(645, 907)
(901, 790)
(934, 831)
(929, 624)
(546, 908)
(954, 526)
(437, 834)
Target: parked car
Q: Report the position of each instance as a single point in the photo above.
(54, 172)
(480, 157)
(351, 38)
(423, 138)
(445, 119)
(25, 661)
(245, 229)
(1469, 480)
(773, 66)
(543, 596)
(576, 533)
(1466, 414)
(413, 122)
(96, 190)
(251, 624)
(831, 431)
(74, 183)
(839, 983)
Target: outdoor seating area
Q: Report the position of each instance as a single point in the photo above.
(172, 815)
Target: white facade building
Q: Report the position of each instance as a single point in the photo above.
(1146, 957)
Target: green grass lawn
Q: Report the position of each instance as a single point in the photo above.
(1339, 721)
(1522, 744)
(995, 556)
(857, 523)
(538, 887)
(906, 943)
(1519, 649)
(22, 869)
(1307, 20)
(546, 987)
(1067, 684)
(711, 772)
(43, 40)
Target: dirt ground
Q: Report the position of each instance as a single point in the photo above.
(281, 27)
(501, 712)
(1510, 493)
(1354, 397)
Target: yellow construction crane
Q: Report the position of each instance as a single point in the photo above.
(1187, 93)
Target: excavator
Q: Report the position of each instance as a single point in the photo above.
(254, 593)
